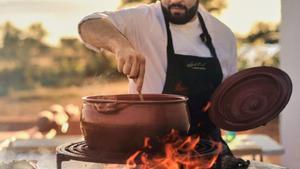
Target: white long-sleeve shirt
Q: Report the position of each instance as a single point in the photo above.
(144, 27)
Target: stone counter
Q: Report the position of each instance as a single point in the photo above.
(260, 165)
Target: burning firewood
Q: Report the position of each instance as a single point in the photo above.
(175, 152)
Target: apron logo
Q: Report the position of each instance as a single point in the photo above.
(196, 66)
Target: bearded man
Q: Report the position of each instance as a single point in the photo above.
(171, 47)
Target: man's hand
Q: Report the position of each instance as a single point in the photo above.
(132, 64)
(101, 33)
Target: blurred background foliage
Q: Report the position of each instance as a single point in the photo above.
(27, 61)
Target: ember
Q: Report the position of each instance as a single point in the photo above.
(175, 152)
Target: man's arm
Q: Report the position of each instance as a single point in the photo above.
(101, 33)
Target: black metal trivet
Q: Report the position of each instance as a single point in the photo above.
(79, 151)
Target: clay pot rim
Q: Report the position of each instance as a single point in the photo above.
(167, 98)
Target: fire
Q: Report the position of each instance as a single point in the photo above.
(207, 107)
(174, 152)
(131, 160)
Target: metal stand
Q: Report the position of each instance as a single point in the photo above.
(79, 151)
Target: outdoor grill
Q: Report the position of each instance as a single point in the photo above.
(79, 151)
(114, 129)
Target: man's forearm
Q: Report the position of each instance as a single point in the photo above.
(101, 33)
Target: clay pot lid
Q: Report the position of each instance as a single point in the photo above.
(250, 98)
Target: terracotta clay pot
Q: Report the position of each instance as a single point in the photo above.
(116, 125)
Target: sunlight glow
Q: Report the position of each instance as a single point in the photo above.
(241, 15)
(60, 17)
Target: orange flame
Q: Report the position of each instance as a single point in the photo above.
(207, 107)
(177, 152)
(131, 160)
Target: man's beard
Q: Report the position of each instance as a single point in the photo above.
(182, 18)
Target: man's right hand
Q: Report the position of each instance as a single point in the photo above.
(132, 64)
(101, 33)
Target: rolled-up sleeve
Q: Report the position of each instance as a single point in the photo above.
(96, 15)
(126, 21)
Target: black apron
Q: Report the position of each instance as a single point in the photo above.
(197, 78)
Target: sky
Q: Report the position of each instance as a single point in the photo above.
(61, 17)
(240, 15)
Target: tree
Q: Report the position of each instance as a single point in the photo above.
(262, 40)
(11, 40)
(215, 6)
(35, 63)
(36, 31)
(22, 44)
(262, 32)
(70, 47)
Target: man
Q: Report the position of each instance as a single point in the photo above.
(172, 46)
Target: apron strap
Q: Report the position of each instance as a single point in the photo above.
(205, 36)
(170, 48)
